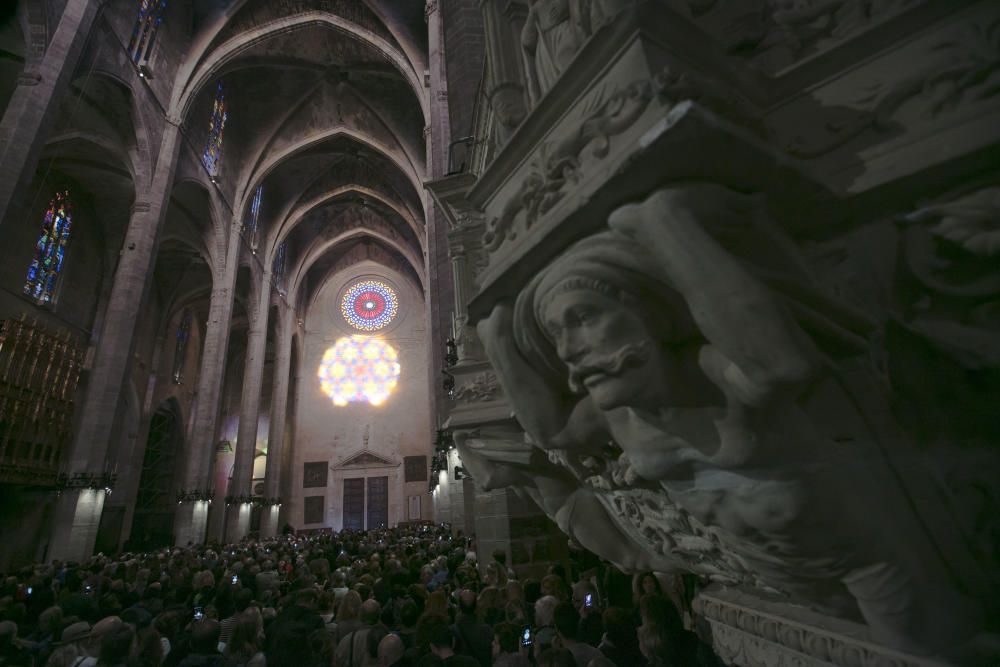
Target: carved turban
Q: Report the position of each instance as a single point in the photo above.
(623, 269)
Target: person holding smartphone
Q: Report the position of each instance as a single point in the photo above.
(511, 645)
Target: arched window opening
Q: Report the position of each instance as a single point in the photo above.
(140, 47)
(212, 156)
(50, 250)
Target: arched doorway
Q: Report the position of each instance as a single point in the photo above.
(153, 521)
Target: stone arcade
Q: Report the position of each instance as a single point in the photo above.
(697, 286)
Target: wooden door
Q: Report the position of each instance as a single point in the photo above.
(378, 502)
(354, 504)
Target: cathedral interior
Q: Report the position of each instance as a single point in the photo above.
(289, 274)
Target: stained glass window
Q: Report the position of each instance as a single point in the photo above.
(183, 333)
(50, 249)
(359, 369)
(369, 305)
(251, 225)
(148, 22)
(213, 145)
(278, 268)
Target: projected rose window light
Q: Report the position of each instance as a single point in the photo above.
(369, 305)
(359, 369)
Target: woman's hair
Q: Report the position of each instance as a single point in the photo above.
(116, 645)
(148, 650)
(243, 638)
(350, 607)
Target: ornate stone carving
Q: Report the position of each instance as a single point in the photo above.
(750, 637)
(482, 387)
(775, 33)
(555, 166)
(957, 71)
(690, 336)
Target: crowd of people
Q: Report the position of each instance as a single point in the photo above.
(409, 597)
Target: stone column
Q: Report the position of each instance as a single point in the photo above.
(437, 134)
(465, 249)
(238, 522)
(33, 106)
(129, 292)
(502, 22)
(276, 433)
(191, 518)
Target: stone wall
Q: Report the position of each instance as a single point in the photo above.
(336, 435)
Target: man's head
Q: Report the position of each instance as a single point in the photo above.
(467, 601)
(544, 610)
(610, 319)
(205, 636)
(442, 641)
(567, 621)
(390, 650)
(371, 611)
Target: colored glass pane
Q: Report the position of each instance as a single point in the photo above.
(369, 305)
(217, 123)
(251, 225)
(146, 24)
(359, 369)
(50, 249)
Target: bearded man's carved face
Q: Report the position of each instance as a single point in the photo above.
(607, 348)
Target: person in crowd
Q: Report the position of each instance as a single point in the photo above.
(348, 616)
(567, 623)
(544, 631)
(354, 650)
(473, 638)
(442, 644)
(587, 604)
(619, 643)
(244, 648)
(408, 596)
(204, 643)
(116, 646)
(556, 657)
(507, 650)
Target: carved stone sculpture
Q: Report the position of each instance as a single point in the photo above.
(551, 37)
(689, 399)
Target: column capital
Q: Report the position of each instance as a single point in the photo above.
(430, 7)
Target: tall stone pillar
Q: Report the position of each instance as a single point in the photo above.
(270, 519)
(191, 518)
(238, 522)
(33, 106)
(129, 291)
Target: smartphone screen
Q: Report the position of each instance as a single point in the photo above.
(526, 637)
(198, 613)
(588, 601)
(29, 590)
(235, 578)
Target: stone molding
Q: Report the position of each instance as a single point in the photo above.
(755, 636)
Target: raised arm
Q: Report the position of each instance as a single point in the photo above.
(736, 313)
